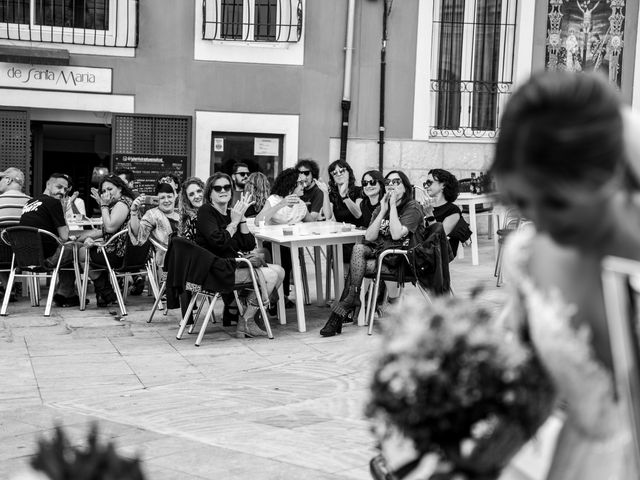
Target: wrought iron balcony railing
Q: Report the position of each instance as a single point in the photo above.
(467, 109)
(103, 23)
(277, 21)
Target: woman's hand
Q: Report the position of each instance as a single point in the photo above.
(96, 195)
(241, 206)
(393, 197)
(429, 203)
(343, 189)
(88, 242)
(292, 200)
(384, 204)
(324, 188)
(137, 203)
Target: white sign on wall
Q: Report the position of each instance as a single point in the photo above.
(55, 77)
(268, 147)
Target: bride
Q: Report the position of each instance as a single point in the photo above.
(561, 159)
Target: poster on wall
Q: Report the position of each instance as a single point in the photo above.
(586, 35)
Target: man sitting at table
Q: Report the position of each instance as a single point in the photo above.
(313, 194)
(46, 212)
(12, 199)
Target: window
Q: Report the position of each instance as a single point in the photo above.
(85, 22)
(473, 72)
(252, 20)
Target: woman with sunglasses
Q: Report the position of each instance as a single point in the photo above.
(224, 233)
(344, 195)
(115, 198)
(394, 222)
(372, 192)
(442, 190)
(191, 198)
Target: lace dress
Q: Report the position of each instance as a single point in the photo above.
(595, 442)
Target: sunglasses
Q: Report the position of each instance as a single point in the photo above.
(393, 181)
(221, 188)
(428, 183)
(304, 172)
(369, 183)
(243, 174)
(338, 171)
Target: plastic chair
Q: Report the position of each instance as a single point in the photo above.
(512, 221)
(28, 257)
(135, 262)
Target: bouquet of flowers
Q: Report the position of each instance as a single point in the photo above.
(457, 384)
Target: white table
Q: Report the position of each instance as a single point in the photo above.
(309, 234)
(471, 200)
(77, 226)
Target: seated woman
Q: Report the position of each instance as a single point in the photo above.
(115, 199)
(258, 187)
(283, 207)
(158, 223)
(224, 232)
(344, 195)
(394, 222)
(191, 200)
(442, 188)
(372, 192)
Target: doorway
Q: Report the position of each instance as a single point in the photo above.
(260, 151)
(74, 149)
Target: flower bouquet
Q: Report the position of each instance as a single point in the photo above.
(458, 385)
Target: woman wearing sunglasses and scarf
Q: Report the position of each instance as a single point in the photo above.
(224, 232)
(393, 223)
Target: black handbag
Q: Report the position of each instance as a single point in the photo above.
(461, 231)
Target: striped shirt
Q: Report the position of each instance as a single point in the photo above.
(11, 203)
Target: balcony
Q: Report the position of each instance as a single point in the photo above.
(101, 23)
(275, 21)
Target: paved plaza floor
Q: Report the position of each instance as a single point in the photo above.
(288, 408)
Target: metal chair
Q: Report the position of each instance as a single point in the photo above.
(160, 276)
(512, 221)
(29, 259)
(212, 297)
(135, 262)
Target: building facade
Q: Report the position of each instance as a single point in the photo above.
(192, 86)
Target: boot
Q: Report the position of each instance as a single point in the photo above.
(333, 326)
(349, 303)
(247, 328)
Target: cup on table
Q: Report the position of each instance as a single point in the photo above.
(261, 224)
(287, 230)
(346, 227)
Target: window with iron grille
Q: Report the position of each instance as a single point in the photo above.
(473, 72)
(84, 22)
(252, 20)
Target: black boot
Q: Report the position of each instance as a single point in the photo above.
(333, 326)
(349, 304)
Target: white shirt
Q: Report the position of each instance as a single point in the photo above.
(287, 214)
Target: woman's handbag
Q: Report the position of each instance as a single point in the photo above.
(256, 259)
(461, 231)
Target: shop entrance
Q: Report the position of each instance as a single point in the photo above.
(74, 149)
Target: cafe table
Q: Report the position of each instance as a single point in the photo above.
(472, 200)
(77, 226)
(307, 234)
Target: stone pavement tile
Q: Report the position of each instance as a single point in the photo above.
(43, 346)
(326, 458)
